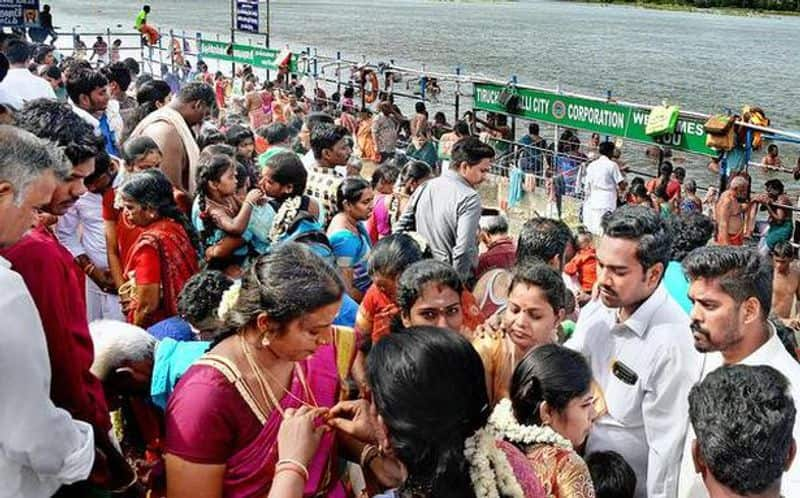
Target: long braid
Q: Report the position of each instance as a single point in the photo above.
(171, 211)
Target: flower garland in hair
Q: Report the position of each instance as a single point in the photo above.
(284, 218)
(505, 424)
(489, 470)
(229, 298)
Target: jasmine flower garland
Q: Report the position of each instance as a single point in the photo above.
(506, 426)
(489, 470)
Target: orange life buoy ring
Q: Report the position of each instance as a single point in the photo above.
(369, 76)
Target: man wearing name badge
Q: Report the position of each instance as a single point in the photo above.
(731, 289)
(636, 339)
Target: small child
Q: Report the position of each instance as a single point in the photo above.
(218, 211)
(142, 153)
(611, 475)
(584, 263)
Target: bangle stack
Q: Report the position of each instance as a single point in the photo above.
(291, 465)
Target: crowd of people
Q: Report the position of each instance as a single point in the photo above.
(208, 296)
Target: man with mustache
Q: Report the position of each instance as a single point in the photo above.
(54, 282)
(731, 292)
(636, 339)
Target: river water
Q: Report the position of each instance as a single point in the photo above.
(704, 62)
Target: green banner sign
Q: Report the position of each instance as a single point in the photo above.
(605, 118)
(260, 57)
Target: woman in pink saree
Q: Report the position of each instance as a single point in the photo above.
(277, 360)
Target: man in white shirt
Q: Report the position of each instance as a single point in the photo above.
(41, 446)
(601, 183)
(636, 339)
(81, 230)
(744, 417)
(731, 291)
(312, 121)
(20, 85)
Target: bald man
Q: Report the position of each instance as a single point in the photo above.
(730, 213)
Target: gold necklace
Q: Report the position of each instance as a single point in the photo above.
(266, 391)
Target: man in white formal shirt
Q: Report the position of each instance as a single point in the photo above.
(731, 291)
(636, 339)
(20, 85)
(41, 446)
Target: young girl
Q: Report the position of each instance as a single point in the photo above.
(220, 88)
(348, 235)
(220, 212)
(387, 261)
(283, 180)
(242, 140)
(380, 223)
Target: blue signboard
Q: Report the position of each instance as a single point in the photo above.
(19, 13)
(246, 15)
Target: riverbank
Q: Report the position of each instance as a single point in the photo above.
(681, 7)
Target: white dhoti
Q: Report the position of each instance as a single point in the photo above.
(597, 204)
(101, 305)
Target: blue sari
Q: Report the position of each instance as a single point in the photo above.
(351, 251)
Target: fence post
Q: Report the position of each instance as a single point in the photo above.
(514, 148)
(458, 95)
(74, 34)
(110, 43)
(338, 72)
(141, 51)
(172, 50)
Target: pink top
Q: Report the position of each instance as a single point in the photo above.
(208, 421)
(379, 223)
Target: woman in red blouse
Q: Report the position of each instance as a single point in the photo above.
(164, 255)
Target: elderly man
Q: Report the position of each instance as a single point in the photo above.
(43, 447)
(636, 339)
(54, 281)
(730, 213)
(500, 248)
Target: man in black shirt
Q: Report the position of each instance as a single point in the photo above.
(46, 22)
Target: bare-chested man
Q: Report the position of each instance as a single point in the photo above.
(171, 128)
(785, 283)
(730, 213)
(781, 224)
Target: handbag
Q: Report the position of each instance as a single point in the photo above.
(720, 133)
(509, 99)
(719, 124)
(662, 120)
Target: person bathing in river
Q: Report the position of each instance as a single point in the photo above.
(785, 284)
(772, 160)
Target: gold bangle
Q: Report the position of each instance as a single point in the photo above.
(290, 468)
(284, 462)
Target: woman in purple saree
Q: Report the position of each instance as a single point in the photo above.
(224, 417)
